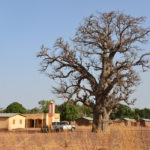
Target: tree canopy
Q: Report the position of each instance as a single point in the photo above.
(123, 111)
(15, 107)
(69, 113)
(98, 67)
(34, 110)
(44, 105)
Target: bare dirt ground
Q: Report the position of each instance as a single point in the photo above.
(116, 138)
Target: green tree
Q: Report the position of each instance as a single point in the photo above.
(144, 113)
(84, 111)
(137, 113)
(58, 109)
(69, 113)
(123, 111)
(34, 111)
(15, 107)
(44, 105)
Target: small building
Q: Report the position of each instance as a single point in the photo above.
(144, 122)
(129, 122)
(124, 122)
(84, 121)
(10, 121)
(40, 120)
(43, 119)
(117, 122)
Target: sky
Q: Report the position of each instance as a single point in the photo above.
(27, 24)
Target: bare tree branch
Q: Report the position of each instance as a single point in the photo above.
(98, 67)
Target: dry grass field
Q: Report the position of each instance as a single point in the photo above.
(116, 138)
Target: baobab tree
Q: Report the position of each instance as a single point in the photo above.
(99, 66)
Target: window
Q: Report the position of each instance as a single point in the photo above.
(13, 121)
(20, 121)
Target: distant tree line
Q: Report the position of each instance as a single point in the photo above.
(70, 111)
(125, 111)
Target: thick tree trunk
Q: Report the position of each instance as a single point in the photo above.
(100, 121)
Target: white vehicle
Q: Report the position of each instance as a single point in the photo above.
(61, 126)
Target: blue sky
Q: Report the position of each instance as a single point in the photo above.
(27, 24)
